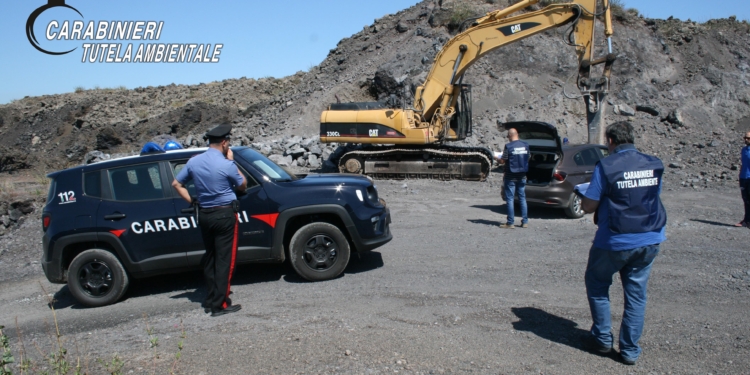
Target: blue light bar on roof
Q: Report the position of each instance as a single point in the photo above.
(151, 148)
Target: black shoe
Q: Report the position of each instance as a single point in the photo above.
(627, 361)
(229, 309)
(207, 306)
(590, 343)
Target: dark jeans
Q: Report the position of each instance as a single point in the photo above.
(745, 191)
(219, 231)
(634, 267)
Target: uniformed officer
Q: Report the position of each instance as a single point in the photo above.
(216, 177)
(516, 160)
(624, 192)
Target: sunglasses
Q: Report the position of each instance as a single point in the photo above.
(747, 137)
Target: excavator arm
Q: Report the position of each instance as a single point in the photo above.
(418, 133)
(435, 100)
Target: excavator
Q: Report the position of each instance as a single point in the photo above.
(411, 142)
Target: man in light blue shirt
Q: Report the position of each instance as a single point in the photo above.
(624, 193)
(216, 177)
(745, 182)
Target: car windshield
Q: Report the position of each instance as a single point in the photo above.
(266, 166)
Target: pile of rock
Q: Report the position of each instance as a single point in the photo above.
(297, 151)
(14, 214)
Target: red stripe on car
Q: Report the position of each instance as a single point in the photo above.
(269, 219)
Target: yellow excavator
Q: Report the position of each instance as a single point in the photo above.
(410, 142)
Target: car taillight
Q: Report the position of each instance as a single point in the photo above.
(559, 176)
(46, 218)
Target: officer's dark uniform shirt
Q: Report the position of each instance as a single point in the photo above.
(516, 157)
(628, 227)
(215, 177)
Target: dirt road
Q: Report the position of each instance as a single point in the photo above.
(452, 293)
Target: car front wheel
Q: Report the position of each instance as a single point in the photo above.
(319, 251)
(575, 207)
(96, 278)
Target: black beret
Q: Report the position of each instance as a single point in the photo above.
(220, 131)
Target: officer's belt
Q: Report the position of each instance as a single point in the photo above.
(212, 209)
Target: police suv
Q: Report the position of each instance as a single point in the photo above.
(111, 221)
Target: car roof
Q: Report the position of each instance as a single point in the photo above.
(576, 147)
(137, 159)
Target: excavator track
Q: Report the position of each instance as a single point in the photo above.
(440, 163)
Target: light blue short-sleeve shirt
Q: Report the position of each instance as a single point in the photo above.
(215, 178)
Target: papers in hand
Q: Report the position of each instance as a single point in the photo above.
(580, 189)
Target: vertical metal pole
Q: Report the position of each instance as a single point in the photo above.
(594, 119)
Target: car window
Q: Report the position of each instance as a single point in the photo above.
(603, 152)
(92, 184)
(250, 180)
(136, 183)
(189, 185)
(588, 156)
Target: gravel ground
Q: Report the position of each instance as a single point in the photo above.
(452, 293)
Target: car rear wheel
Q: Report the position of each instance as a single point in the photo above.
(575, 208)
(319, 251)
(96, 278)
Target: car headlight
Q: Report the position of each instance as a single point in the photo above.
(372, 195)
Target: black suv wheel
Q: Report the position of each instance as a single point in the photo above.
(96, 278)
(575, 208)
(319, 251)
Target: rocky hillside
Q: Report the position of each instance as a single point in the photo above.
(684, 84)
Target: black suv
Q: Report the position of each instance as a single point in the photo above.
(109, 221)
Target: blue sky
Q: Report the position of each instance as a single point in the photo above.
(260, 38)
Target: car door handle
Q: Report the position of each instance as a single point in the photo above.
(114, 216)
(188, 210)
(588, 172)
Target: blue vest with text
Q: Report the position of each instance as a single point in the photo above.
(632, 191)
(518, 156)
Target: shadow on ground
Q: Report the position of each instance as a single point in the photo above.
(191, 282)
(534, 212)
(548, 326)
(716, 223)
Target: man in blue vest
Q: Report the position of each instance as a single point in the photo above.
(745, 181)
(216, 178)
(624, 192)
(516, 160)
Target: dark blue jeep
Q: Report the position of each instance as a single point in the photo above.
(109, 221)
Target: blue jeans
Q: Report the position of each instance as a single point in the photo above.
(745, 191)
(634, 267)
(510, 187)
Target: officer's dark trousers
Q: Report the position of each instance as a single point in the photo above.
(219, 230)
(745, 190)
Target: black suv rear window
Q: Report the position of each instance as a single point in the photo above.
(136, 183)
(92, 184)
(52, 187)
